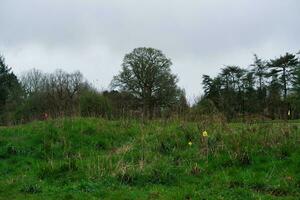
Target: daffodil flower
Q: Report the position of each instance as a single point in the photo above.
(205, 134)
(190, 143)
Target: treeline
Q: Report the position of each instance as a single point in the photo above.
(267, 89)
(146, 88)
(36, 95)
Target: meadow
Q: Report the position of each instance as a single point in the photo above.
(91, 158)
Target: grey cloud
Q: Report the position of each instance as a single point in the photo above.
(93, 35)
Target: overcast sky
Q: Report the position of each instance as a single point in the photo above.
(200, 36)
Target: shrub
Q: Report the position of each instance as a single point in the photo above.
(94, 104)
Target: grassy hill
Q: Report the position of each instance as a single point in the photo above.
(99, 159)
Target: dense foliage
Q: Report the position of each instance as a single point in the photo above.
(146, 74)
(10, 92)
(268, 89)
(146, 88)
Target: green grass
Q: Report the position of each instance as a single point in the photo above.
(100, 159)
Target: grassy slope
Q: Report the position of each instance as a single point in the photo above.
(98, 159)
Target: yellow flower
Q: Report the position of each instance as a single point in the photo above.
(205, 134)
(289, 112)
(190, 143)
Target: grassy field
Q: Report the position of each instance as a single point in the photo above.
(99, 159)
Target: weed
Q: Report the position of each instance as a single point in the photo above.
(31, 188)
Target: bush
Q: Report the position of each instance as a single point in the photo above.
(94, 104)
(206, 111)
(205, 107)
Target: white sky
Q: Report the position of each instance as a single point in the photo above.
(200, 36)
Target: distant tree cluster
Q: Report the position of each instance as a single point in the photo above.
(269, 89)
(146, 88)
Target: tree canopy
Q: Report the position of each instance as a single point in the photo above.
(146, 74)
(10, 90)
(268, 88)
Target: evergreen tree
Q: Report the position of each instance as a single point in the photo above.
(260, 72)
(284, 66)
(10, 91)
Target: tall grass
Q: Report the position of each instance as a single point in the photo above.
(77, 158)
